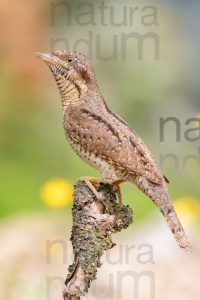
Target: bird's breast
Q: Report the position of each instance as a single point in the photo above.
(87, 156)
(94, 160)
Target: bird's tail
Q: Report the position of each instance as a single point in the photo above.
(160, 196)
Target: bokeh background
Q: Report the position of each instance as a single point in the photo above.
(38, 168)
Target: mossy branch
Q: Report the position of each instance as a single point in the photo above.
(93, 223)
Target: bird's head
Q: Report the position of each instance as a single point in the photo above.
(71, 70)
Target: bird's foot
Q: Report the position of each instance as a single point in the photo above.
(116, 183)
(90, 180)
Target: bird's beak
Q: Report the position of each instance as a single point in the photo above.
(48, 57)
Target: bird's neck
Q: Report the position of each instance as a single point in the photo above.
(70, 91)
(77, 91)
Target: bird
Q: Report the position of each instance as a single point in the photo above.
(105, 141)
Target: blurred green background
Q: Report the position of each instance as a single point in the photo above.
(141, 81)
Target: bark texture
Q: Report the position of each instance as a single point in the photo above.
(94, 221)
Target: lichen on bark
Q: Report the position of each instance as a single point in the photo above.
(94, 221)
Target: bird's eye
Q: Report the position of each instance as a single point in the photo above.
(69, 59)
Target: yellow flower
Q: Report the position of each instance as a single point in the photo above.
(188, 208)
(57, 192)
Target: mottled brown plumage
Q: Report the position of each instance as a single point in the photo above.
(102, 139)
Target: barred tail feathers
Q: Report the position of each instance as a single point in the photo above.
(160, 196)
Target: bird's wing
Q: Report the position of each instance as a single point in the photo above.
(109, 137)
(146, 165)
